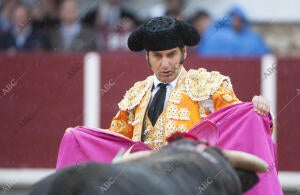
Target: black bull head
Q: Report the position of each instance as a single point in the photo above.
(184, 166)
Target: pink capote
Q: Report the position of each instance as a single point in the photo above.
(239, 127)
(236, 127)
(83, 144)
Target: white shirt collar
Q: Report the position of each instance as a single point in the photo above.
(172, 84)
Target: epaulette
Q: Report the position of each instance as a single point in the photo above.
(201, 84)
(135, 94)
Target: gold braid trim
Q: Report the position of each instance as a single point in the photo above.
(135, 94)
(200, 84)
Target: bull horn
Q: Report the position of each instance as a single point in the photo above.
(133, 156)
(246, 161)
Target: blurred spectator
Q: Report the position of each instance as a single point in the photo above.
(22, 36)
(113, 25)
(232, 36)
(6, 9)
(175, 14)
(162, 9)
(89, 19)
(45, 15)
(110, 14)
(115, 39)
(71, 35)
(201, 21)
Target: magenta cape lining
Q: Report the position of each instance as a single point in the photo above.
(235, 127)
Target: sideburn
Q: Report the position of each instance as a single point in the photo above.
(182, 57)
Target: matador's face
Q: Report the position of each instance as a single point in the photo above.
(166, 64)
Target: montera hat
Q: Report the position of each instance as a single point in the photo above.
(162, 33)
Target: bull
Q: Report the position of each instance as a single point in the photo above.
(184, 166)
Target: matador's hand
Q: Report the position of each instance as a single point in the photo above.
(261, 105)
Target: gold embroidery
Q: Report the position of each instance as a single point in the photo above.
(158, 141)
(135, 138)
(184, 114)
(154, 136)
(159, 134)
(201, 110)
(182, 127)
(144, 104)
(134, 123)
(147, 131)
(227, 85)
(139, 116)
(118, 124)
(156, 144)
(130, 117)
(147, 142)
(175, 97)
(170, 128)
(200, 84)
(172, 112)
(135, 94)
(160, 123)
(227, 97)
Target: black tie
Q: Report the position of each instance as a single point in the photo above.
(157, 105)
